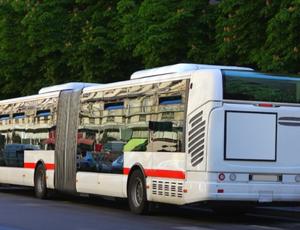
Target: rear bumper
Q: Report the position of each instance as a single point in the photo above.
(266, 192)
(243, 192)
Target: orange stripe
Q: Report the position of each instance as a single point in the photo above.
(29, 165)
(160, 173)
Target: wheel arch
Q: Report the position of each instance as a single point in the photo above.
(137, 195)
(39, 162)
(40, 180)
(132, 169)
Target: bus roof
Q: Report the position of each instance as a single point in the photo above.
(172, 72)
(29, 98)
(180, 68)
(66, 86)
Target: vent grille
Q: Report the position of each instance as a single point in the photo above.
(196, 139)
(167, 188)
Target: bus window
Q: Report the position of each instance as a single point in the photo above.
(18, 115)
(134, 119)
(23, 131)
(253, 86)
(172, 100)
(164, 137)
(4, 117)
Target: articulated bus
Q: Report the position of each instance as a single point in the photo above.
(180, 134)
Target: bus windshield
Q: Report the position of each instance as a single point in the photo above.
(254, 86)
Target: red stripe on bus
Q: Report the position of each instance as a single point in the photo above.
(165, 173)
(126, 171)
(160, 173)
(29, 165)
(50, 166)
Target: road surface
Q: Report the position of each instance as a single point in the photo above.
(19, 210)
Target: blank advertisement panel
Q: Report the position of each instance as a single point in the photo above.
(250, 136)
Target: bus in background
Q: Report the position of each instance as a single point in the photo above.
(180, 134)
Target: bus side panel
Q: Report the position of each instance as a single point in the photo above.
(205, 92)
(113, 184)
(31, 158)
(141, 159)
(105, 184)
(167, 177)
(196, 186)
(12, 175)
(25, 175)
(205, 86)
(87, 182)
(164, 171)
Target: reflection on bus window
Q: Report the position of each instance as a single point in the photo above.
(25, 126)
(100, 155)
(138, 118)
(14, 143)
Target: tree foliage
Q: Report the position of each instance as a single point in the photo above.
(165, 32)
(241, 30)
(54, 41)
(281, 50)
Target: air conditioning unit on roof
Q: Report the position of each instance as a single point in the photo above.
(180, 68)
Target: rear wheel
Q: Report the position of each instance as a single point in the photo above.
(40, 186)
(137, 196)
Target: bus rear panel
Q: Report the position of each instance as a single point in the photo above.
(252, 141)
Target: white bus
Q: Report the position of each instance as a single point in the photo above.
(179, 134)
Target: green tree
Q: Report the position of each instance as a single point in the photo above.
(282, 47)
(13, 51)
(166, 32)
(241, 30)
(46, 25)
(55, 41)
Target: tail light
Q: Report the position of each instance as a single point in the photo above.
(221, 176)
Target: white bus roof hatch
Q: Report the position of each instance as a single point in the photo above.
(66, 86)
(180, 68)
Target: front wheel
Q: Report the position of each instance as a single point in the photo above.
(137, 197)
(40, 186)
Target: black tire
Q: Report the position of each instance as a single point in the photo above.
(136, 191)
(40, 184)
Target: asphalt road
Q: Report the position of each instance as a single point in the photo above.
(20, 210)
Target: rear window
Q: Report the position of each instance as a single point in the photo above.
(254, 86)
